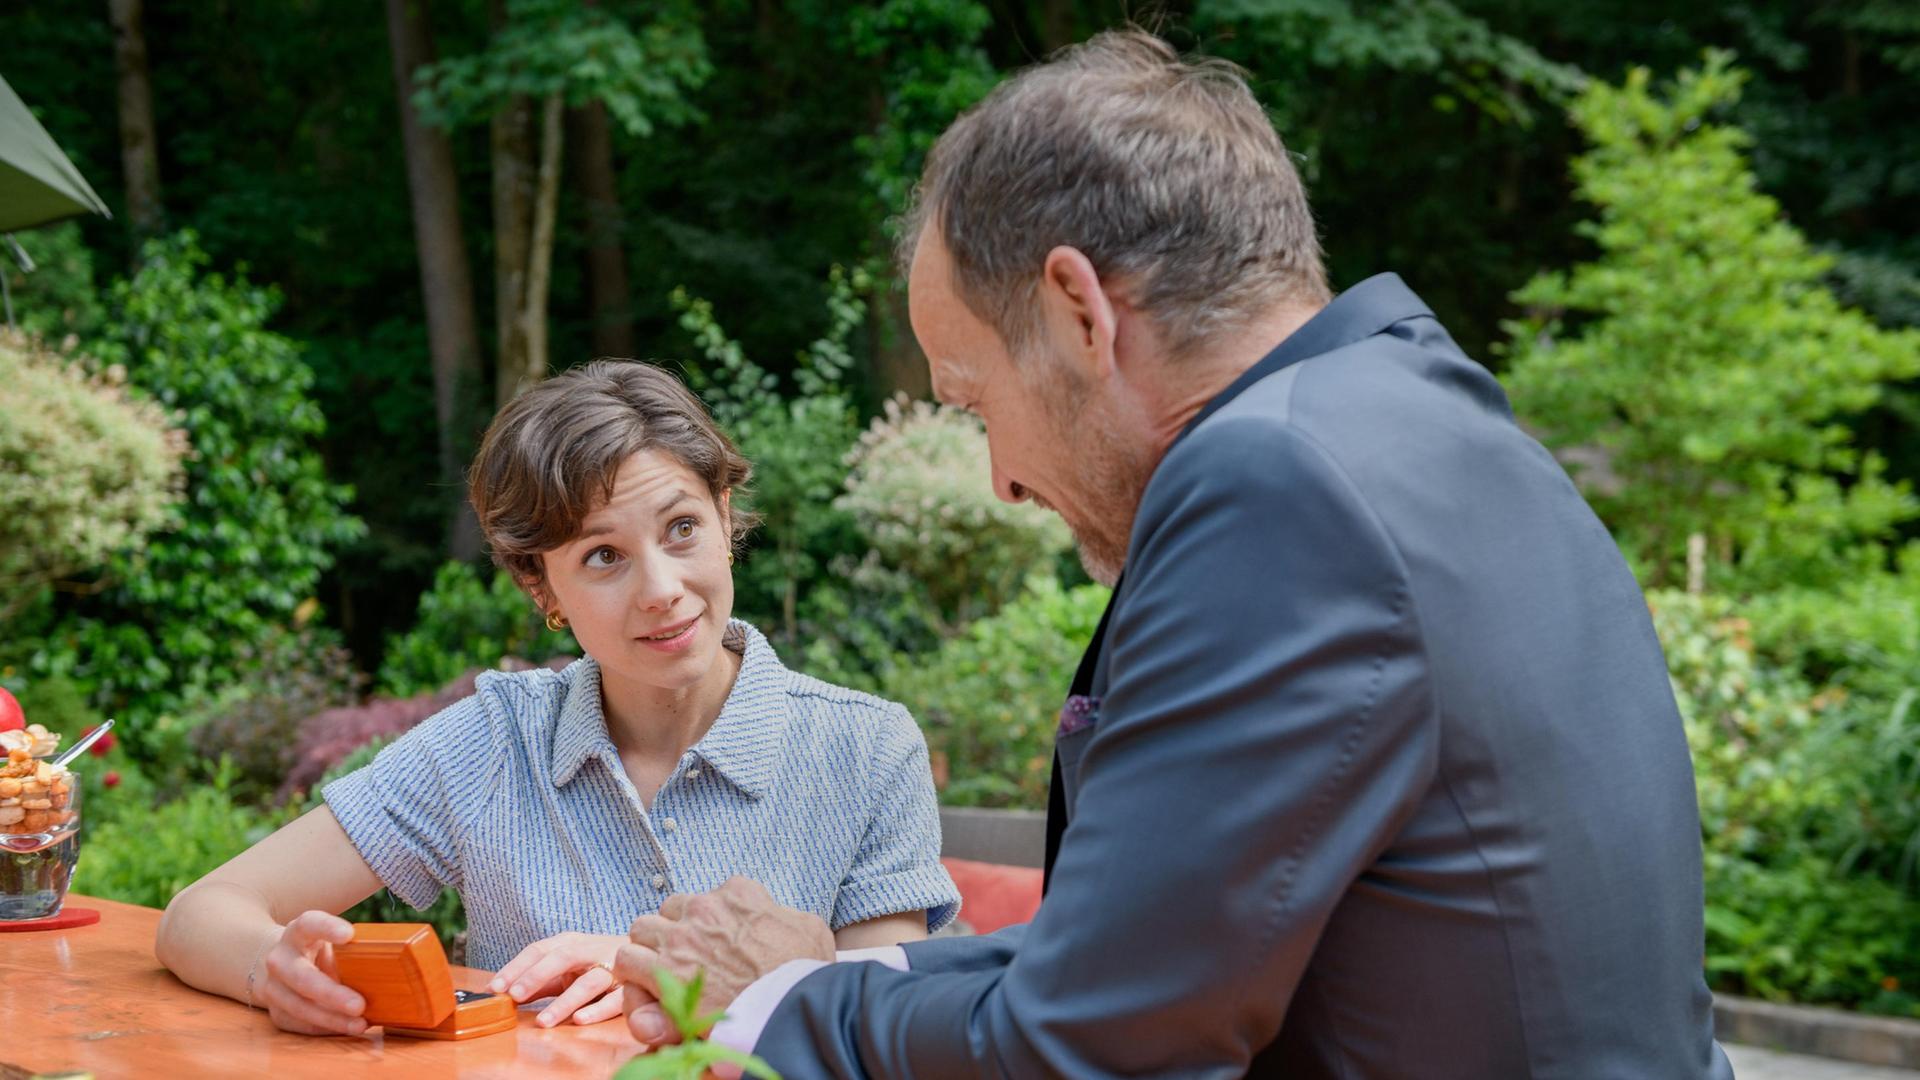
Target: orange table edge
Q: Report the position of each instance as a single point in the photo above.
(93, 998)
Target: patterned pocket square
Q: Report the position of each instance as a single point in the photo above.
(1078, 714)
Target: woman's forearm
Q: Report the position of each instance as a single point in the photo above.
(212, 935)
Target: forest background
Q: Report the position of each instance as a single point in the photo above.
(1688, 240)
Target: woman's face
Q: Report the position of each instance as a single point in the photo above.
(646, 585)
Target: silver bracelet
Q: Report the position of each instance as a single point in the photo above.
(252, 971)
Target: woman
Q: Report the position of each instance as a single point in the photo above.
(561, 805)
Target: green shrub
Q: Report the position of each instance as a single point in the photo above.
(59, 298)
(795, 437)
(1797, 930)
(1808, 817)
(147, 858)
(86, 469)
(260, 521)
(920, 488)
(253, 724)
(1861, 635)
(989, 699)
(1703, 356)
(463, 623)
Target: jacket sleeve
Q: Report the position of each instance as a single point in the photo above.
(981, 952)
(1267, 729)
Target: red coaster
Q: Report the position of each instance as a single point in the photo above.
(66, 920)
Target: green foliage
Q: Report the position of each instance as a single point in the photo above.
(919, 487)
(694, 1055)
(1471, 60)
(59, 298)
(147, 858)
(582, 53)
(252, 723)
(1801, 931)
(1808, 814)
(1709, 363)
(794, 438)
(86, 470)
(463, 622)
(1766, 779)
(260, 519)
(1860, 635)
(934, 69)
(989, 700)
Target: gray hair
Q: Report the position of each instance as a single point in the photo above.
(1165, 173)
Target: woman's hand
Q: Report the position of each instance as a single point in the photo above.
(577, 967)
(295, 979)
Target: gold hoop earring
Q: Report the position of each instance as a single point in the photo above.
(556, 622)
(729, 558)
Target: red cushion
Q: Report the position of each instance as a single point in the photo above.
(992, 895)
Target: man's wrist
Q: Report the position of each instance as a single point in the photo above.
(747, 1016)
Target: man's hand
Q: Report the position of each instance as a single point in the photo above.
(736, 934)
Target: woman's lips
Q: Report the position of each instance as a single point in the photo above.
(682, 637)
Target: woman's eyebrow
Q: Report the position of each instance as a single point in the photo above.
(676, 499)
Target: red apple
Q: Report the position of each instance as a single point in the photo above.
(12, 717)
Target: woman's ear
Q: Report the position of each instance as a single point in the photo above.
(536, 590)
(726, 513)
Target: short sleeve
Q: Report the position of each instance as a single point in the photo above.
(407, 809)
(897, 867)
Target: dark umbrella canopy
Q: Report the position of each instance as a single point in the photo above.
(37, 182)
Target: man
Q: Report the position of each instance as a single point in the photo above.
(1373, 768)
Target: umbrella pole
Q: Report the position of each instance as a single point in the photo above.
(26, 267)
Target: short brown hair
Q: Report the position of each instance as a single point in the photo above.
(551, 456)
(1165, 173)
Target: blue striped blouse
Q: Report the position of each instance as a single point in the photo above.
(516, 798)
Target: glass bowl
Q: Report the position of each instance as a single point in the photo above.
(39, 839)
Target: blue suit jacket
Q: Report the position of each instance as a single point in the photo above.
(1386, 780)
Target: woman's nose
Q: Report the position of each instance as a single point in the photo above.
(660, 584)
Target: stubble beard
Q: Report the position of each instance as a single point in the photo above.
(1110, 478)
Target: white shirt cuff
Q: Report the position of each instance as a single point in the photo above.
(748, 1015)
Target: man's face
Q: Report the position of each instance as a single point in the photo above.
(1054, 435)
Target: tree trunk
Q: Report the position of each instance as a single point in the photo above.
(1056, 24)
(533, 312)
(899, 366)
(592, 139)
(446, 279)
(512, 239)
(139, 153)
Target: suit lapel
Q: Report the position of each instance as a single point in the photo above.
(1364, 310)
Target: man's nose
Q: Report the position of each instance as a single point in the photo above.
(1009, 489)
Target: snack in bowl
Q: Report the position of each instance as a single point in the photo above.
(33, 738)
(35, 796)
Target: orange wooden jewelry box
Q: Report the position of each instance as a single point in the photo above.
(401, 971)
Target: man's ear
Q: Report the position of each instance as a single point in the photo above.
(1080, 312)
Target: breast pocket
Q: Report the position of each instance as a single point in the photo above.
(1071, 747)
